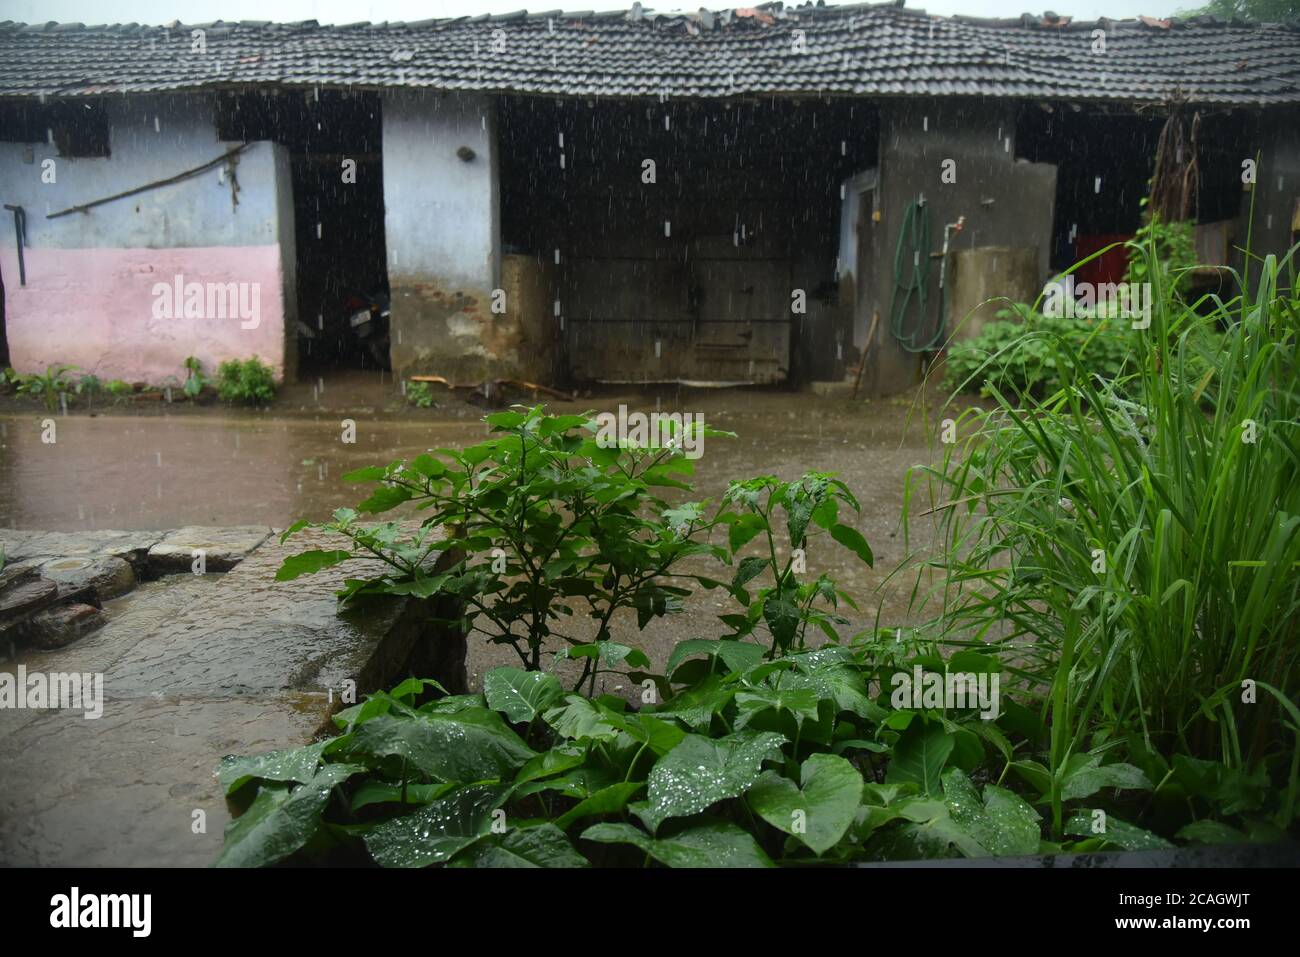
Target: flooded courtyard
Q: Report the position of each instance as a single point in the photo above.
(198, 666)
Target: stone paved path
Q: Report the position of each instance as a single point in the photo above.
(194, 667)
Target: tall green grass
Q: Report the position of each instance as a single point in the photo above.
(1153, 471)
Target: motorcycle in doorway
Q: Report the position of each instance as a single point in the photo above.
(368, 315)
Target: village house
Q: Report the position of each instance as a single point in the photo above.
(738, 196)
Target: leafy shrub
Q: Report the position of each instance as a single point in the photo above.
(1143, 537)
(746, 762)
(1019, 352)
(419, 395)
(250, 382)
(51, 386)
(118, 389)
(542, 521)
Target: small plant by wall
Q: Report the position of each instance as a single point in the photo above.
(247, 382)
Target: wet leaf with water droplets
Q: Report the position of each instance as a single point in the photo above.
(296, 764)
(520, 695)
(820, 811)
(436, 832)
(541, 846)
(715, 844)
(700, 772)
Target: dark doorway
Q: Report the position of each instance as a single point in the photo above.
(688, 242)
(334, 141)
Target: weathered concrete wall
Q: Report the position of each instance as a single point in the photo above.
(529, 285)
(1006, 202)
(442, 225)
(983, 279)
(89, 299)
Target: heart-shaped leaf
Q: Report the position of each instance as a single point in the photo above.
(818, 810)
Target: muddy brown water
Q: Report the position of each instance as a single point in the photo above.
(179, 466)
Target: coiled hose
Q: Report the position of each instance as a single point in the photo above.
(912, 279)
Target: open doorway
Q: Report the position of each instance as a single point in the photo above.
(689, 242)
(1104, 165)
(334, 143)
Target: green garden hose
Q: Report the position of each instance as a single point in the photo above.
(912, 278)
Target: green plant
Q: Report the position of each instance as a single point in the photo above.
(1174, 248)
(9, 379)
(1018, 352)
(535, 523)
(419, 394)
(746, 762)
(1134, 545)
(195, 380)
(787, 606)
(51, 387)
(250, 382)
(119, 389)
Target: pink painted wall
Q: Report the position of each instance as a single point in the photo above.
(94, 308)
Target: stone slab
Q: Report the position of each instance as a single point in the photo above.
(62, 625)
(223, 547)
(107, 575)
(20, 545)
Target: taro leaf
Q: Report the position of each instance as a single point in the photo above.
(852, 539)
(610, 800)
(579, 784)
(1114, 831)
(818, 810)
(660, 736)
(435, 832)
(800, 702)
(697, 706)
(382, 792)
(1002, 824)
(520, 695)
(701, 771)
(714, 844)
(578, 718)
(608, 653)
(736, 655)
(1085, 775)
(310, 562)
(548, 764)
(295, 764)
(413, 687)
(470, 745)
(541, 846)
(827, 671)
(920, 755)
(280, 821)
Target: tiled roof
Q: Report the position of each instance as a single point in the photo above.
(881, 50)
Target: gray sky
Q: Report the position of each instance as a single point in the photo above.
(350, 11)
